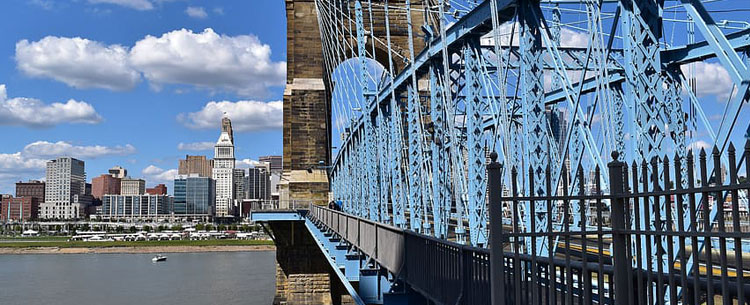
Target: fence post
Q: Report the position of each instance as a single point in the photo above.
(622, 267)
(494, 179)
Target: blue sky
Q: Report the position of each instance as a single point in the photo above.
(137, 83)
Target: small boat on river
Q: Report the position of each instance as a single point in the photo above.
(159, 258)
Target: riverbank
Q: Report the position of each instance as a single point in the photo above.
(167, 246)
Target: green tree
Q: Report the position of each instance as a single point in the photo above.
(147, 228)
(233, 227)
(85, 227)
(120, 229)
(200, 227)
(209, 227)
(177, 227)
(133, 229)
(222, 228)
(245, 228)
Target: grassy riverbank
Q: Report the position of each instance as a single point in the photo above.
(32, 238)
(41, 243)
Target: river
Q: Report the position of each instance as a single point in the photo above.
(185, 279)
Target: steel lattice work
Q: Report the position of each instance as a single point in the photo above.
(423, 91)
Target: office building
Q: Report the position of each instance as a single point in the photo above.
(66, 177)
(160, 189)
(258, 183)
(134, 206)
(274, 161)
(239, 184)
(132, 187)
(118, 172)
(223, 171)
(19, 208)
(31, 188)
(194, 196)
(275, 169)
(196, 165)
(105, 184)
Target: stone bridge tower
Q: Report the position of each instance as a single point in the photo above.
(303, 276)
(307, 132)
(307, 96)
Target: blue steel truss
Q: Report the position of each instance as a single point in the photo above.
(490, 76)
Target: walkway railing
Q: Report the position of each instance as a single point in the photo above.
(654, 240)
(667, 234)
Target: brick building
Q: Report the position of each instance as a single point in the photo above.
(160, 189)
(32, 188)
(105, 184)
(196, 165)
(19, 208)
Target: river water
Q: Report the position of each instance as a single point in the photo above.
(185, 279)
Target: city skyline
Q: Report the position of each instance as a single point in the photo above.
(135, 114)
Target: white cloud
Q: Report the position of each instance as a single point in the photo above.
(245, 115)
(196, 12)
(196, 146)
(22, 111)
(32, 160)
(141, 5)
(218, 10)
(77, 62)
(208, 60)
(700, 144)
(712, 78)
(568, 38)
(17, 167)
(45, 4)
(51, 150)
(18, 162)
(247, 163)
(156, 175)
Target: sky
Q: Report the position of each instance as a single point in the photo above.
(137, 83)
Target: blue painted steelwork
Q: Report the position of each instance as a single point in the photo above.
(384, 180)
(328, 248)
(372, 198)
(441, 196)
(475, 146)
(416, 210)
(474, 106)
(397, 183)
(534, 116)
(276, 216)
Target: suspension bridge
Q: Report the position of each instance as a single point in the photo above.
(514, 151)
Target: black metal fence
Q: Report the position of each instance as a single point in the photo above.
(664, 232)
(668, 232)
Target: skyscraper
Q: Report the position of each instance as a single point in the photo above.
(258, 183)
(223, 171)
(239, 184)
(66, 178)
(196, 165)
